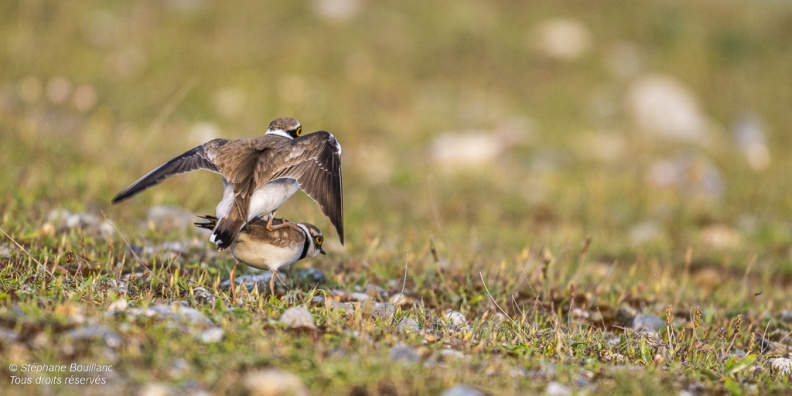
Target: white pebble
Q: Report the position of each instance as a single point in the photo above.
(557, 389)
(298, 317)
(118, 305)
(212, 336)
(273, 382)
(782, 366)
(454, 317)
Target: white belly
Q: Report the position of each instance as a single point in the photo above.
(263, 255)
(265, 200)
(224, 206)
(269, 197)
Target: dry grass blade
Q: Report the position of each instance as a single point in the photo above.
(20, 247)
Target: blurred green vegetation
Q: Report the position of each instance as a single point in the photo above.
(387, 79)
(94, 94)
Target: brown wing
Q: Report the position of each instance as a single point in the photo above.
(237, 161)
(314, 160)
(281, 237)
(197, 158)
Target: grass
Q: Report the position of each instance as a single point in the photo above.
(549, 250)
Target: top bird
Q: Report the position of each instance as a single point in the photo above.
(260, 174)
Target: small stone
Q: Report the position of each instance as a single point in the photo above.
(376, 292)
(176, 247)
(47, 229)
(689, 174)
(337, 10)
(781, 366)
(258, 282)
(455, 318)
(26, 289)
(191, 314)
(444, 355)
(8, 336)
(333, 304)
(359, 296)
(88, 222)
(626, 314)
(93, 332)
(785, 316)
(579, 313)
(584, 378)
(400, 300)
(155, 389)
(498, 318)
(383, 310)
(174, 312)
(74, 313)
(179, 368)
(212, 336)
(614, 357)
(461, 390)
(408, 325)
(311, 276)
(664, 106)
(169, 218)
(563, 39)
(5, 251)
(557, 389)
(273, 382)
(118, 285)
(40, 341)
(118, 305)
(458, 151)
(721, 237)
(403, 354)
(749, 133)
(203, 296)
(595, 317)
(297, 318)
(648, 323)
(708, 277)
(645, 232)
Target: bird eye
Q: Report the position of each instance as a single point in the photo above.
(298, 131)
(319, 239)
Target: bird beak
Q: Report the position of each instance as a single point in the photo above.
(322, 251)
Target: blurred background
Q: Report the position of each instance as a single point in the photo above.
(478, 129)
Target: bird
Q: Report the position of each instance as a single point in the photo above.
(261, 248)
(260, 174)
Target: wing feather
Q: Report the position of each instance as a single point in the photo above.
(197, 158)
(314, 160)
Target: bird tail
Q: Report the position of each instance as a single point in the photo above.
(211, 222)
(226, 230)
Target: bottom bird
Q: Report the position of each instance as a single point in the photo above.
(263, 249)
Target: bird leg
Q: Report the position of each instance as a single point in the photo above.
(272, 281)
(285, 223)
(233, 280)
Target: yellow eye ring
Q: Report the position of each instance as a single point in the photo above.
(298, 131)
(319, 240)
